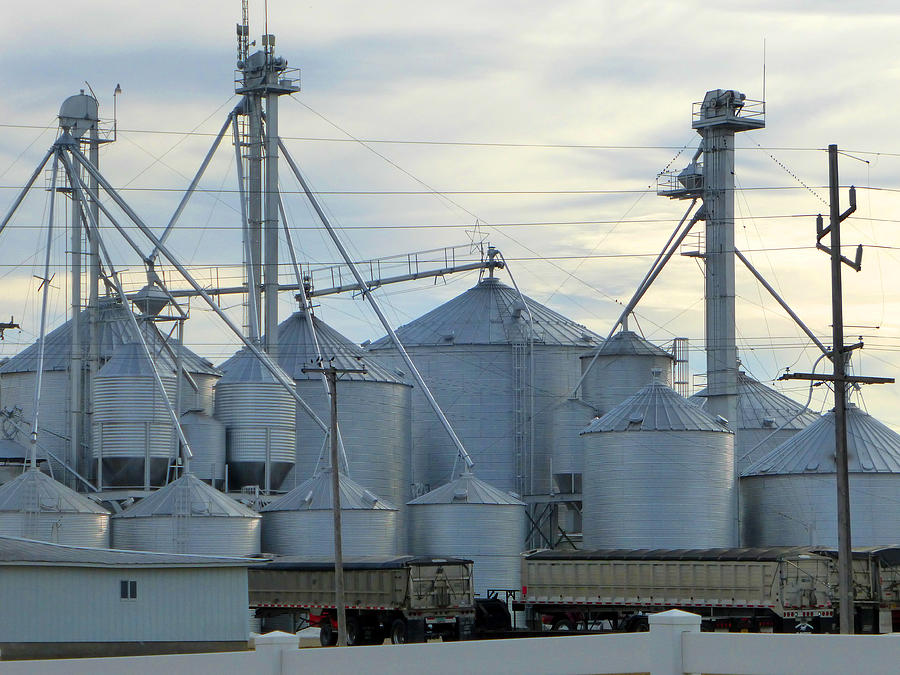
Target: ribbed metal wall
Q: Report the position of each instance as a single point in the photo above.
(658, 489)
(615, 377)
(132, 426)
(259, 418)
(491, 535)
(201, 535)
(754, 444)
(200, 398)
(17, 390)
(365, 532)
(567, 452)
(206, 436)
(71, 529)
(801, 510)
(374, 419)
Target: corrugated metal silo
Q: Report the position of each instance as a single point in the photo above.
(302, 521)
(790, 495)
(188, 516)
(623, 368)
(34, 506)
(658, 473)
(468, 518)
(474, 353)
(761, 411)
(259, 417)
(17, 374)
(567, 453)
(373, 410)
(206, 436)
(133, 434)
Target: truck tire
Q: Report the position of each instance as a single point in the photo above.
(327, 635)
(398, 632)
(354, 632)
(561, 625)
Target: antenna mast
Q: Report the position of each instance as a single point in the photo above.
(243, 33)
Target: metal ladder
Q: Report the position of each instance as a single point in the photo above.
(180, 517)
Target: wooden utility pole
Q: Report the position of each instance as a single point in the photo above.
(331, 375)
(840, 380)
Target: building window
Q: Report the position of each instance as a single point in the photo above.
(128, 590)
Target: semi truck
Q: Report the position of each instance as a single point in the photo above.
(749, 589)
(403, 598)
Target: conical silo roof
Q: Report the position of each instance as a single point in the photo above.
(656, 407)
(244, 366)
(315, 495)
(466, 490)
(871, 448)
(115, 329)
(490, 313)
(629, 343)
(129, 359)
(202, 500)
(34, 491)
(760, 406)
(297, 350)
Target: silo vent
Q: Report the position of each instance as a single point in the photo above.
(636, 419)
(365, 343)
(461, 495)
(448, 337)
(722, 420)
(369, 498)
(768, 422)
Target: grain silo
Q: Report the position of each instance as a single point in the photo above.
(302, 521)
(259, 417)
(206, 436)
(373, 409)
(567, 453)
(470, 519)
(132, 432)
(766, 419)
(497, 367)
(789, 497)
(17, 375)
(34, 506)
(658, 473)
(622, 367)
(188, 516)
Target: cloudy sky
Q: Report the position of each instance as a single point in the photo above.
(546, 123)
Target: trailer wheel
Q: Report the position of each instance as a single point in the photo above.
(354, 632)
(327, 635)
(563, 624)
(398, 632)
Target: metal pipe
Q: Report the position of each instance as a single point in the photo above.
(781, 302)
(248, 253)
(186, 275)
(76, 374)
(270, 226)
(24, 190)
(381, 317)
(43, 331)
(193, 186)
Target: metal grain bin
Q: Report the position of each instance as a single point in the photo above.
(789, 497)
(567, 452)
(761, 413)
(259, 417)
(206, 436)
(17, 375)
(623, 368)
(658, 473)
(497, 375)
(188, 516)
(34, 506)
(468, 518)
(133, 435)
(373, 409)
(302, 521)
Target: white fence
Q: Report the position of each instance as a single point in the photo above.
(673, 646)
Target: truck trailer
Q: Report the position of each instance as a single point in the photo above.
(404, 598)
(739, 589)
